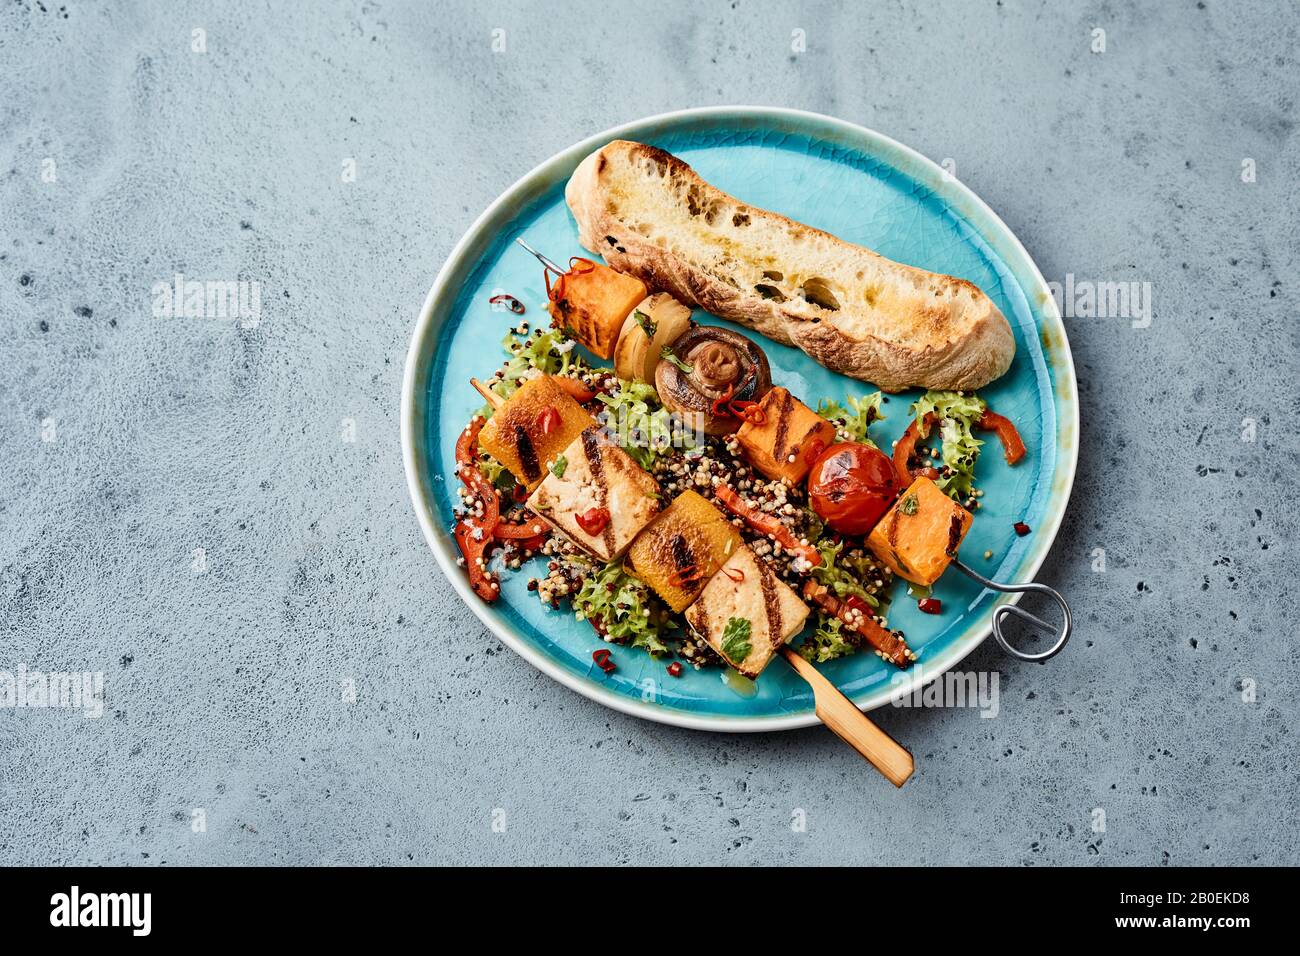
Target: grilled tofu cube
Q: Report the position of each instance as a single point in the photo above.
(788, 440)
(678, 553)
(602, 499)
(532, 428)
(593, 302)
(746, 612)
(916, 535)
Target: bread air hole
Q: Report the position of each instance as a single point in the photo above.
(693, 205)
(818, 291)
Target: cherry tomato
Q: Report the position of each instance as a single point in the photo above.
(851, 486)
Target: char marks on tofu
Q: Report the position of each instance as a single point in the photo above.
(598, 477)
(745, 596)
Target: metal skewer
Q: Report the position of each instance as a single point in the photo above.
(541, 258)
(1003, 610)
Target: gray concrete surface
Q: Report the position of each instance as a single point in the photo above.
(223, 688)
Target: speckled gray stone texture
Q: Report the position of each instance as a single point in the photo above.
(224, 688)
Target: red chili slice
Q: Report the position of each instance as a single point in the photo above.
(686, 577)
(749, 411)
(719, 407)
(675, 669)
(511, 303)
(930, 605)
(735, 574)
(593, 520)
(548, 419)
(601, 657)
(1022, 529)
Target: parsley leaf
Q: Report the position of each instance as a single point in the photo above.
(735, 639)
(558, 466)
(648, 325)
(667, 353)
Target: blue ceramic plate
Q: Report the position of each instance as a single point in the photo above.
(854, 183)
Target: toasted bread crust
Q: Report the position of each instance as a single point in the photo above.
(649, 214)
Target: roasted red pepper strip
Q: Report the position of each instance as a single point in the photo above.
(474, 535)
(529, 529)
(474, 549)
(766, 523)
(467, 443)
(1012, 445)
(581, 393)
(857, 614)
(906, 447)
(467, 471)
(886, 641)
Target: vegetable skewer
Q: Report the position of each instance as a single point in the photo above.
(835, 710)
(936, 553)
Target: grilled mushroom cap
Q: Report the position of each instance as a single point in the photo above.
(718, 358)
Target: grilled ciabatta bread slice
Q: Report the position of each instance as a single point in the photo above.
(650, 215)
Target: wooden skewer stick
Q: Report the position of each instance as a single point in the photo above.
(493, 399)
(835, 710)
(852, 725)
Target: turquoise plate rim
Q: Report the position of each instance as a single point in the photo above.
(464, 257)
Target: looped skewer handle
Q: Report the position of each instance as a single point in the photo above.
(1001, 613)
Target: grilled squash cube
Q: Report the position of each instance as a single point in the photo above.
(598, 475)
(746, 612)
(789, 430)
(915, 536)
(532, 428)
(684, 547)
(593, 303)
